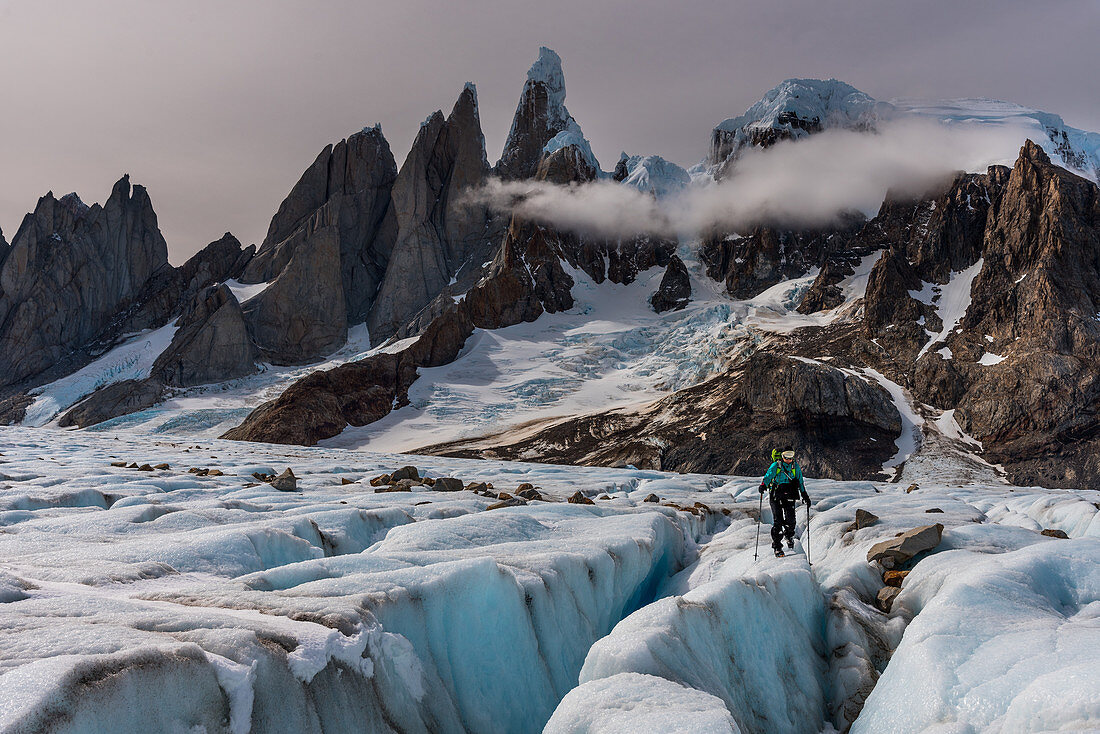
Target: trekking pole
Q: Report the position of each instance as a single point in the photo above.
(808, 535)
(759, 512)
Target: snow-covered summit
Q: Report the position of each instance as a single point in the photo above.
(799, 107)
(794, 109)
(547, 70)
(652, 174)
(542, 120)
(798, 104)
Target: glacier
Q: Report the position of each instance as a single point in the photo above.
(171, 600)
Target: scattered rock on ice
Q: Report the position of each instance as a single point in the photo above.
(577, 498)
(863, 519)
(1055, 533)
(886, 596)
(893, 552)
(447, 484)
(405, 472)
(285, 482)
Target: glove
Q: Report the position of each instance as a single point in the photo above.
(762, 489)
(806, 500)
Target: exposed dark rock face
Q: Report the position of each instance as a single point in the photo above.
(211, 342)
(566, 166)
(1038, 297)
(343, 196)
(112, 401)
(3, 251)
(70, 269)
(540, 115)
(439, 230)
(524, 280)
(171, 289)
(767, 256)
(302, 315)
(675, 289)
(727, 425)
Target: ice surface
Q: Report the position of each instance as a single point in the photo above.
(1026, 662)
(632, 702)
(131, 360)
(216, 601)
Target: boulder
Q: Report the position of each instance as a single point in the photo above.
(863, 519)
(579, 499)
(1055, 533)
(885, 598)
(652, 498)
(447, 484)
(675, 289)
(896, 551)
(285, 482)
(405, 472)
(509, 502)
(894, 578)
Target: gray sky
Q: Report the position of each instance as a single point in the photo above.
(217, 106)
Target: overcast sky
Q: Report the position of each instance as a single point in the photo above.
(217, 106)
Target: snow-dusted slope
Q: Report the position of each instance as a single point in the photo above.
(167, 600)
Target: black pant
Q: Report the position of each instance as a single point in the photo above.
(782, 519)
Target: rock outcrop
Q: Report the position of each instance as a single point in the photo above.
(840, 425)
(112, 401)
(70, 270)
(675, 289)
(439, 229)
(541, 124)
(751, 264)
(211, 342)
(302, 315)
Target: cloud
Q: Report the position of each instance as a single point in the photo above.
(794, 183)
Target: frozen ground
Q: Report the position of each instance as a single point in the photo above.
(169, 601)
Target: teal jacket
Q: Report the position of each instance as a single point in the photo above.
(779, 473)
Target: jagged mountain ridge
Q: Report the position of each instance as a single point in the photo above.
(395, 248)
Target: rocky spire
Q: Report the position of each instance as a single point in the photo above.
(69, 270)
(348, 188)
(438, 229)
(542, 124)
